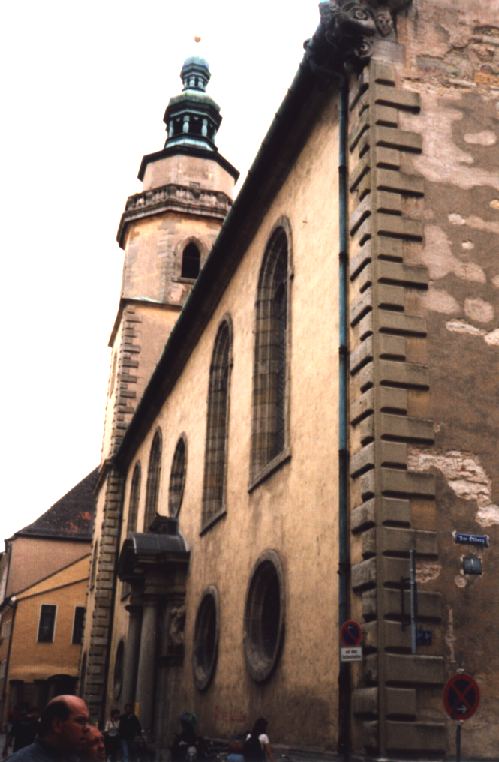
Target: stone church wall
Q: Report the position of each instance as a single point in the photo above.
(294, 511)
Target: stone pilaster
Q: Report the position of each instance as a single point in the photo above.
(396, 698)
(98, 651)
(127, 375)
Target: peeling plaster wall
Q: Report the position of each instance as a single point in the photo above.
(452, 59)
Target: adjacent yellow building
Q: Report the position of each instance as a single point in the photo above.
(45, 571)
(46, 630)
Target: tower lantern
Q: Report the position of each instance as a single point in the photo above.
(193, 117)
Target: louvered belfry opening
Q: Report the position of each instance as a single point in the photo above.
(191, 261)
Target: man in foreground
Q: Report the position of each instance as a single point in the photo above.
(62, 736)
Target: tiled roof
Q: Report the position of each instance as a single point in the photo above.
(70, 517)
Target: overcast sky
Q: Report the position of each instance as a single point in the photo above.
(85, 86)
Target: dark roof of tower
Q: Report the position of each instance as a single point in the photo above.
(71, 517)
(196, 61)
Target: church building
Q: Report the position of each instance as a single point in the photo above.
(298, 500)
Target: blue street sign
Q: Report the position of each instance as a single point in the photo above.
(465, 538)
(424, 637)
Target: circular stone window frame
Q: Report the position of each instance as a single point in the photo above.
(203, 670)
(260, 664)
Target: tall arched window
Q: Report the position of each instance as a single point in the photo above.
(177, 477)
(133, 506)
(270, 375)
(217, 426)
(191, 261)
(153, 480)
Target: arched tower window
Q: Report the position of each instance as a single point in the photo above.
(270, 375)
(133, 506)
(177, 478)
(153, 480)
(217, 426)
(191, 261)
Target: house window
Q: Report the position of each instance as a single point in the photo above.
(191, 261)
(270, 375)
(205, 652)
(217, 427)
(264, 617)
(78, 625)
(153, 480)
(133, 506)
(177, 478)
(46, 626)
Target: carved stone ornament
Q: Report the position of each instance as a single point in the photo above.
(347, 31)
(176, 628)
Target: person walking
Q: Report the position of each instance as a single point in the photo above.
(23, 730)
(129, 730)
(112, 736)
(62, 735)
(256, 747)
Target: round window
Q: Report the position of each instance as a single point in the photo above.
(264, 616)
(204, 658)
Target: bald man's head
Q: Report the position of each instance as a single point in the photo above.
(64, 724)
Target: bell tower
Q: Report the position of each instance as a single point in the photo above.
(166, 232)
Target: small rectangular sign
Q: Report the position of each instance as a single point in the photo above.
(351, 653)
(465, 538)
(424, 637)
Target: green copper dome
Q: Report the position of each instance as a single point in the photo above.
(193, 118)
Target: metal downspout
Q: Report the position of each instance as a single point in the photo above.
(343, 452)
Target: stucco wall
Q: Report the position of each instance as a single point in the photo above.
(152, 255)
(186, 170)
(453, 60)
(31, 660)
(293, 511)
(33, 559)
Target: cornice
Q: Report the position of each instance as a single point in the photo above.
(173, 197)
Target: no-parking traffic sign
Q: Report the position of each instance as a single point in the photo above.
(461, 696)
(350, 641)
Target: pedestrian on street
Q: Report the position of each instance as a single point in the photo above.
(23, 730)
(130, 730)
(112, 736)
(62, 733)
(256, 747)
